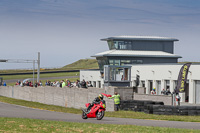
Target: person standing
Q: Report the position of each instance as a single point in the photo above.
(117, 99)
(178, 98)
(63, 83)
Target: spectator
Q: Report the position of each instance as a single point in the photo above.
(36, 84)
(69, 83)
(153, 92)
(83, 84)
(22, 84)
(178, 98)
(163, 92)
(63, 84)
(4, 84)
(57, 84)
(78, 83)
(89, 84)
(17, 83)
(168, 92)
(40, 83)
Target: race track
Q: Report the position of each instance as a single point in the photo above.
(9, 110)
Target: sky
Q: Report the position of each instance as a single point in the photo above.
(64, 31)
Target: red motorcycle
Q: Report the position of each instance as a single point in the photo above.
(97, 111)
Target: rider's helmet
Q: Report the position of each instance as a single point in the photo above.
(101, 96)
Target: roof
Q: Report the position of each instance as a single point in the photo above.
(141, 38)
(134, 53)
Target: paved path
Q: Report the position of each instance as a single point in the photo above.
(8, 110)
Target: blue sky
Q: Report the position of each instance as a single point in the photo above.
(65, 31)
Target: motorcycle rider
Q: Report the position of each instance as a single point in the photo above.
(96, 100)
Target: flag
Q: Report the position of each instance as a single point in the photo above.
(182, 78)
(107, 95)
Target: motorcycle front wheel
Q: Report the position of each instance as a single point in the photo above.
(84, 115)
(100, 115)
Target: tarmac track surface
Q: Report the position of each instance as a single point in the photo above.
(9, 110)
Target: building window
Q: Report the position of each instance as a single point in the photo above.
(137, 61)
(125, 62)
(101, 62)
(99, 84)
(94, 83)
(143, 83)
(111, 45)
(114, 62)
(167, 84)
(122, 45)
(113, 73)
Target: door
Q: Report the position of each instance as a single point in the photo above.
(150, 86)
(197, 90)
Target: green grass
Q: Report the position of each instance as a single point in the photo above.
(80, 64)
(83, 64)
(119, 114)
(39, 105)
(6, 77)
(32, 125)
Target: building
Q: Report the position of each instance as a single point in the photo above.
(152, 59)
(137, 50)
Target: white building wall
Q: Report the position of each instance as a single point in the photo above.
(93, 76)
(167, 72)
(153, 72)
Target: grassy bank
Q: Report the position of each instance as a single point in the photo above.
(41, 75)
(32, 125)
(119, 114)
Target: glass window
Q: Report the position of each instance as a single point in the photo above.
(125, 62)
(111, 45)
(117, 62)
(126, 72)
(143, 83)
(128, 45)
(112, 74)
(116, 45)
(167, 84)
(134, 61)
(102, 62)
(119, 74)
(139, 61)
(94, 83)
(111, 62)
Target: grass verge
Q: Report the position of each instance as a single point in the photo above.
(46, 75)
(119, 114)
(45, 126)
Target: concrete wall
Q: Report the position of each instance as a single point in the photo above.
(66, 97)
(162, 98)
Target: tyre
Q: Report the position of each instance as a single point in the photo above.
(192, 112)
(100, 115)
(84, 115)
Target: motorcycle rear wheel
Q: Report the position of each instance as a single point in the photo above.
(100, 115)
(84, 115)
